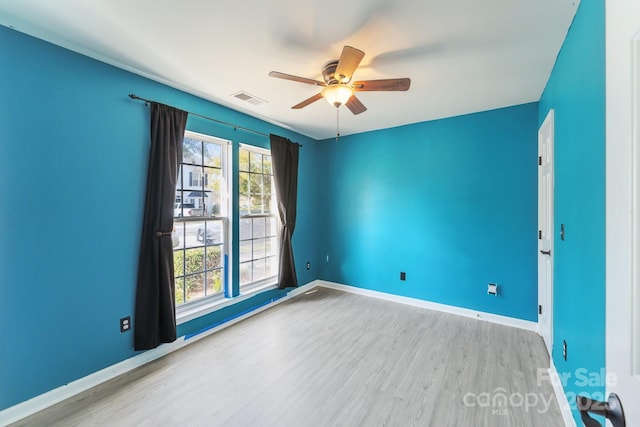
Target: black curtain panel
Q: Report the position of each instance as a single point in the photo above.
(284, 156)
(155, 317)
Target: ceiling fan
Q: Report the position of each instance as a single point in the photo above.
(338, 89)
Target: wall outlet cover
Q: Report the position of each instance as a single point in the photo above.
(125, 324)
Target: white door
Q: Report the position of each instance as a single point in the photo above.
(623, 205)
(545, 230)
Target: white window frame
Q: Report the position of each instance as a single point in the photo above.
(192, 309)
(254, 286)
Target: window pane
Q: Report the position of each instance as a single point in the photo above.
(245, 229)
(194, 260)
(179, 290)
(179, 183)
(196, 207)
(271, 266)
(194, 286)
(267, 188)
(177, 235)
(243, 160)
(245, 273)
(213, 191)
(214, 257)
(266, 183)
(259, 248)
(178, 263)
(244, 205)
(177, 206)
(266, 164)
(256, 204)
(245, 250)
(212, 154)
(258, 227)
(271, 248)
(192, 151)
(268, 200)
(271, 226)
(255, 162)
(255, 183)
(192, 238)
(244, 183)
(258, 268)
(210, 232)
(191, 176)
(214, 282)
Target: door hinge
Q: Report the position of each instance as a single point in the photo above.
(539, 234)
(539, 309)
(539, 160)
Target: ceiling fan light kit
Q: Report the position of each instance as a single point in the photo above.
(337, 94)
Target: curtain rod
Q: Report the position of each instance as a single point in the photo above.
(235, 127)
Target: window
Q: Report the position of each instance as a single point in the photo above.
(258, 222)
(200, 219)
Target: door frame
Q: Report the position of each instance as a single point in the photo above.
(622, 194)
(545, 289)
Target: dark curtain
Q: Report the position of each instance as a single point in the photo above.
(284, 155)
(155, 317)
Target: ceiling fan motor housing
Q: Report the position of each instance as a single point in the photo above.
(329, 72)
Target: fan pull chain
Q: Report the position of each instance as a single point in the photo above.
(337, 123)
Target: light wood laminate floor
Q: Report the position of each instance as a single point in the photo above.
(331, 358)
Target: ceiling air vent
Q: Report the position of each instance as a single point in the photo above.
(247, 97)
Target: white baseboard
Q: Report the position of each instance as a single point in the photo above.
(563, 403)
(465, 312)
(57, 395)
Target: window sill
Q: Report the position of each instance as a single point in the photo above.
(252, 288)
(192, 311)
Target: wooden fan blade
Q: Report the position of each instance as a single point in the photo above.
(284, 76)
(307, 101)
(347, 64)
(382, 85)
(355, 105)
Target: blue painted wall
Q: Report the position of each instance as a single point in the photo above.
(73, 157)
(576, 90)
(452, 202)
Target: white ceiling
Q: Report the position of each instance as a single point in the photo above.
(462, 56)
